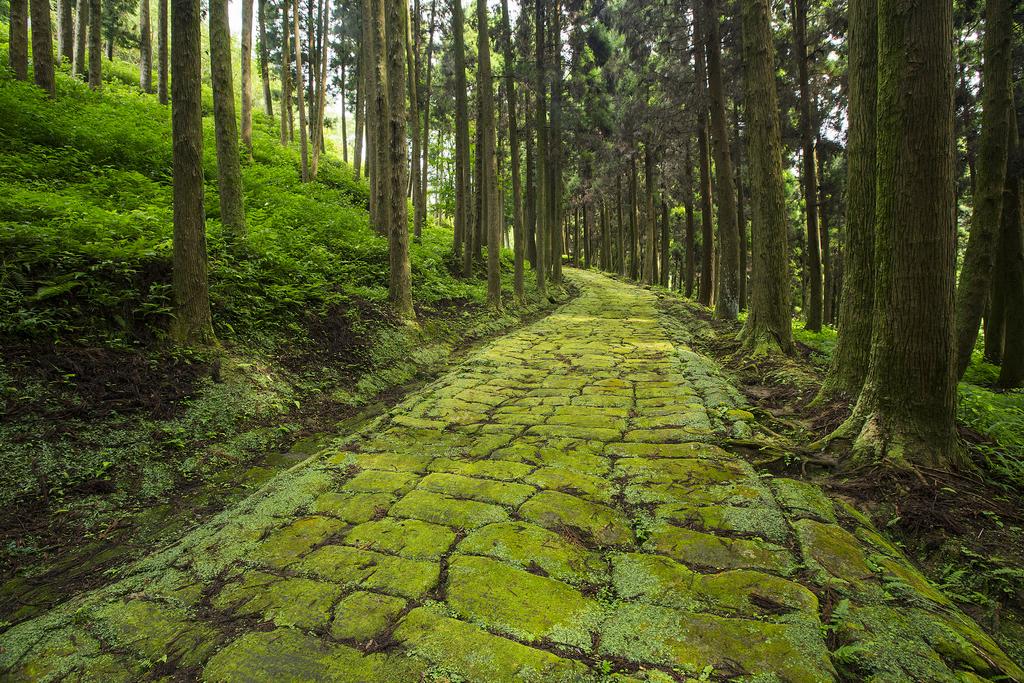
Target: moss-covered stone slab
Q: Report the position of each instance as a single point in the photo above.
(834, 549)
(439, 509)
(803, 500)
(152, 631)
(572, 432)
(354, 508)
(298, 602)
(287, 655)
(381, 481)
(538, 550)
(659, 580)
(410, 538)
(680, 471)
(525, 606)
(761, 521)
(573, 458)
(362, 616)
(602, 401)
(396, 462)
(732, 647)
(707, 551)
(457, 650)
(691, 449)
(572, 516)
(474, 488)
(287, 545)
(491, 469)
(573, 482)
(357, 568)
(587, 419)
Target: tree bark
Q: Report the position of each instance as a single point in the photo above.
(18, 45)
(849, 365)
(95, 45)
(412, 57)
(741, 217)
(634, 238)
(321, 92)
(905, 412)
(651, 222)
(145, 48)
(543, 220)
(620, 231)
(299, 86)
(665, 245)
(42, 46)
(78, 62)
(65, 30)
(490, 215)
(357, 156)
(426, 108)
(1011, 373)
(192, 322)
(707, 265)
(767, 328)
(264, 51)
(396, 34)
(997, 101)
(162, 44)
(827, 310)
(513, 137)
(690, 240)
(462, 244)
(286, 75)
(229, 172)
(246, 71)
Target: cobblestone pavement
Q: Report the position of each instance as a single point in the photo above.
(563, 506)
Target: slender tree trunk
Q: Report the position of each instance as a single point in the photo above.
(65, 31)
(651, 252)
(145, 49)
(229, 172)
(286, 74)
(412, 57)
(530, 208)
(78, 63)
(666, 238)
(397, 34)
(634, 233)
(690, 240)
(555, 143)
(490, 218)
(513, 137)
(542, 225)
(826, 241)
(321, 92)
(620, 231)
(268, 100)
(1011, 244)
(18, 45)
(997, 101)
(463, 249)
(741, 217)
(425, 160)
(357, 156)
(707, 263)
(42, 46)
(299, 87)
(905, 412)
(162, 45)
(767, 328)
(849, 365)
(727, 298)
(246, 59)
(344, 116)
(192, 322)
(95, 45)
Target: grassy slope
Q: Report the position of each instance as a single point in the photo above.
(101, 416)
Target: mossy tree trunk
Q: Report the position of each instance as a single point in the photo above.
(513, 140)
(555, 161)
(707, 266)
(620, 229)
(145, 48)
(425, 142)
(412, 58)
(65, 30)
(286, 76)
(665, 244)
(78, 60)
(18, 39)
(95, 35)
(741, 216)
(690, 240)
(634, 238)
(42, 46)
(856, 305)
(767, 328)
(162, 53)
(192, 323)
(542, 226)
(727, 298)
(229, 171)
(1011, 274)
(905, 413)
(491, 215)
(264, 53)
(997, 101)
(357, 156)
(299, 88)
(651, 222)
(246, 71)
(462, 197)
(392, 44)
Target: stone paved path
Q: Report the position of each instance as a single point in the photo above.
(555, 509)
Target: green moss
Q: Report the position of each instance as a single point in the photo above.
(764, 522)
(532, 547)
(702, 550)
(834, 549)
(357, 568)
(525, 606)
(573, 482)
(362, 616)
(461, 514)
(354, 508)
(288, 545)
(803, 500)
(570, 432)
(381, 481)
(493, 469)
(594, 522)
(153, 631)
(485, 490)
(406, 537)
(680, 471)
(285, 601)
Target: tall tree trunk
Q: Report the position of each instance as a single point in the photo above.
(246, 58)
(65, 30)
(997, 101)
(555, 208)
(95, 45)
(268, 100)
(620, 231)
(691, 238)
(286, 74)
(78, 63)
(634, 236)
(425, 159)
(530, 208)
(905, 412)
(229, 172)
(344, 116)
(192, 323)
(321, 91)
(1011, 243)
(741, 217)
(42, 46)
(827, 311)
(849, 365)
(463, 249)
(543, 220)
(18, 45)
(513, 137)
(145, 48)
(490, 218)
(727, 299)
(707, 261)
(808, 173)
(299, 86)
(397, 33)
(767, 328)
(665, 244)
(162, 45)
(412, 57)
(357, 155)
(651, 222)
